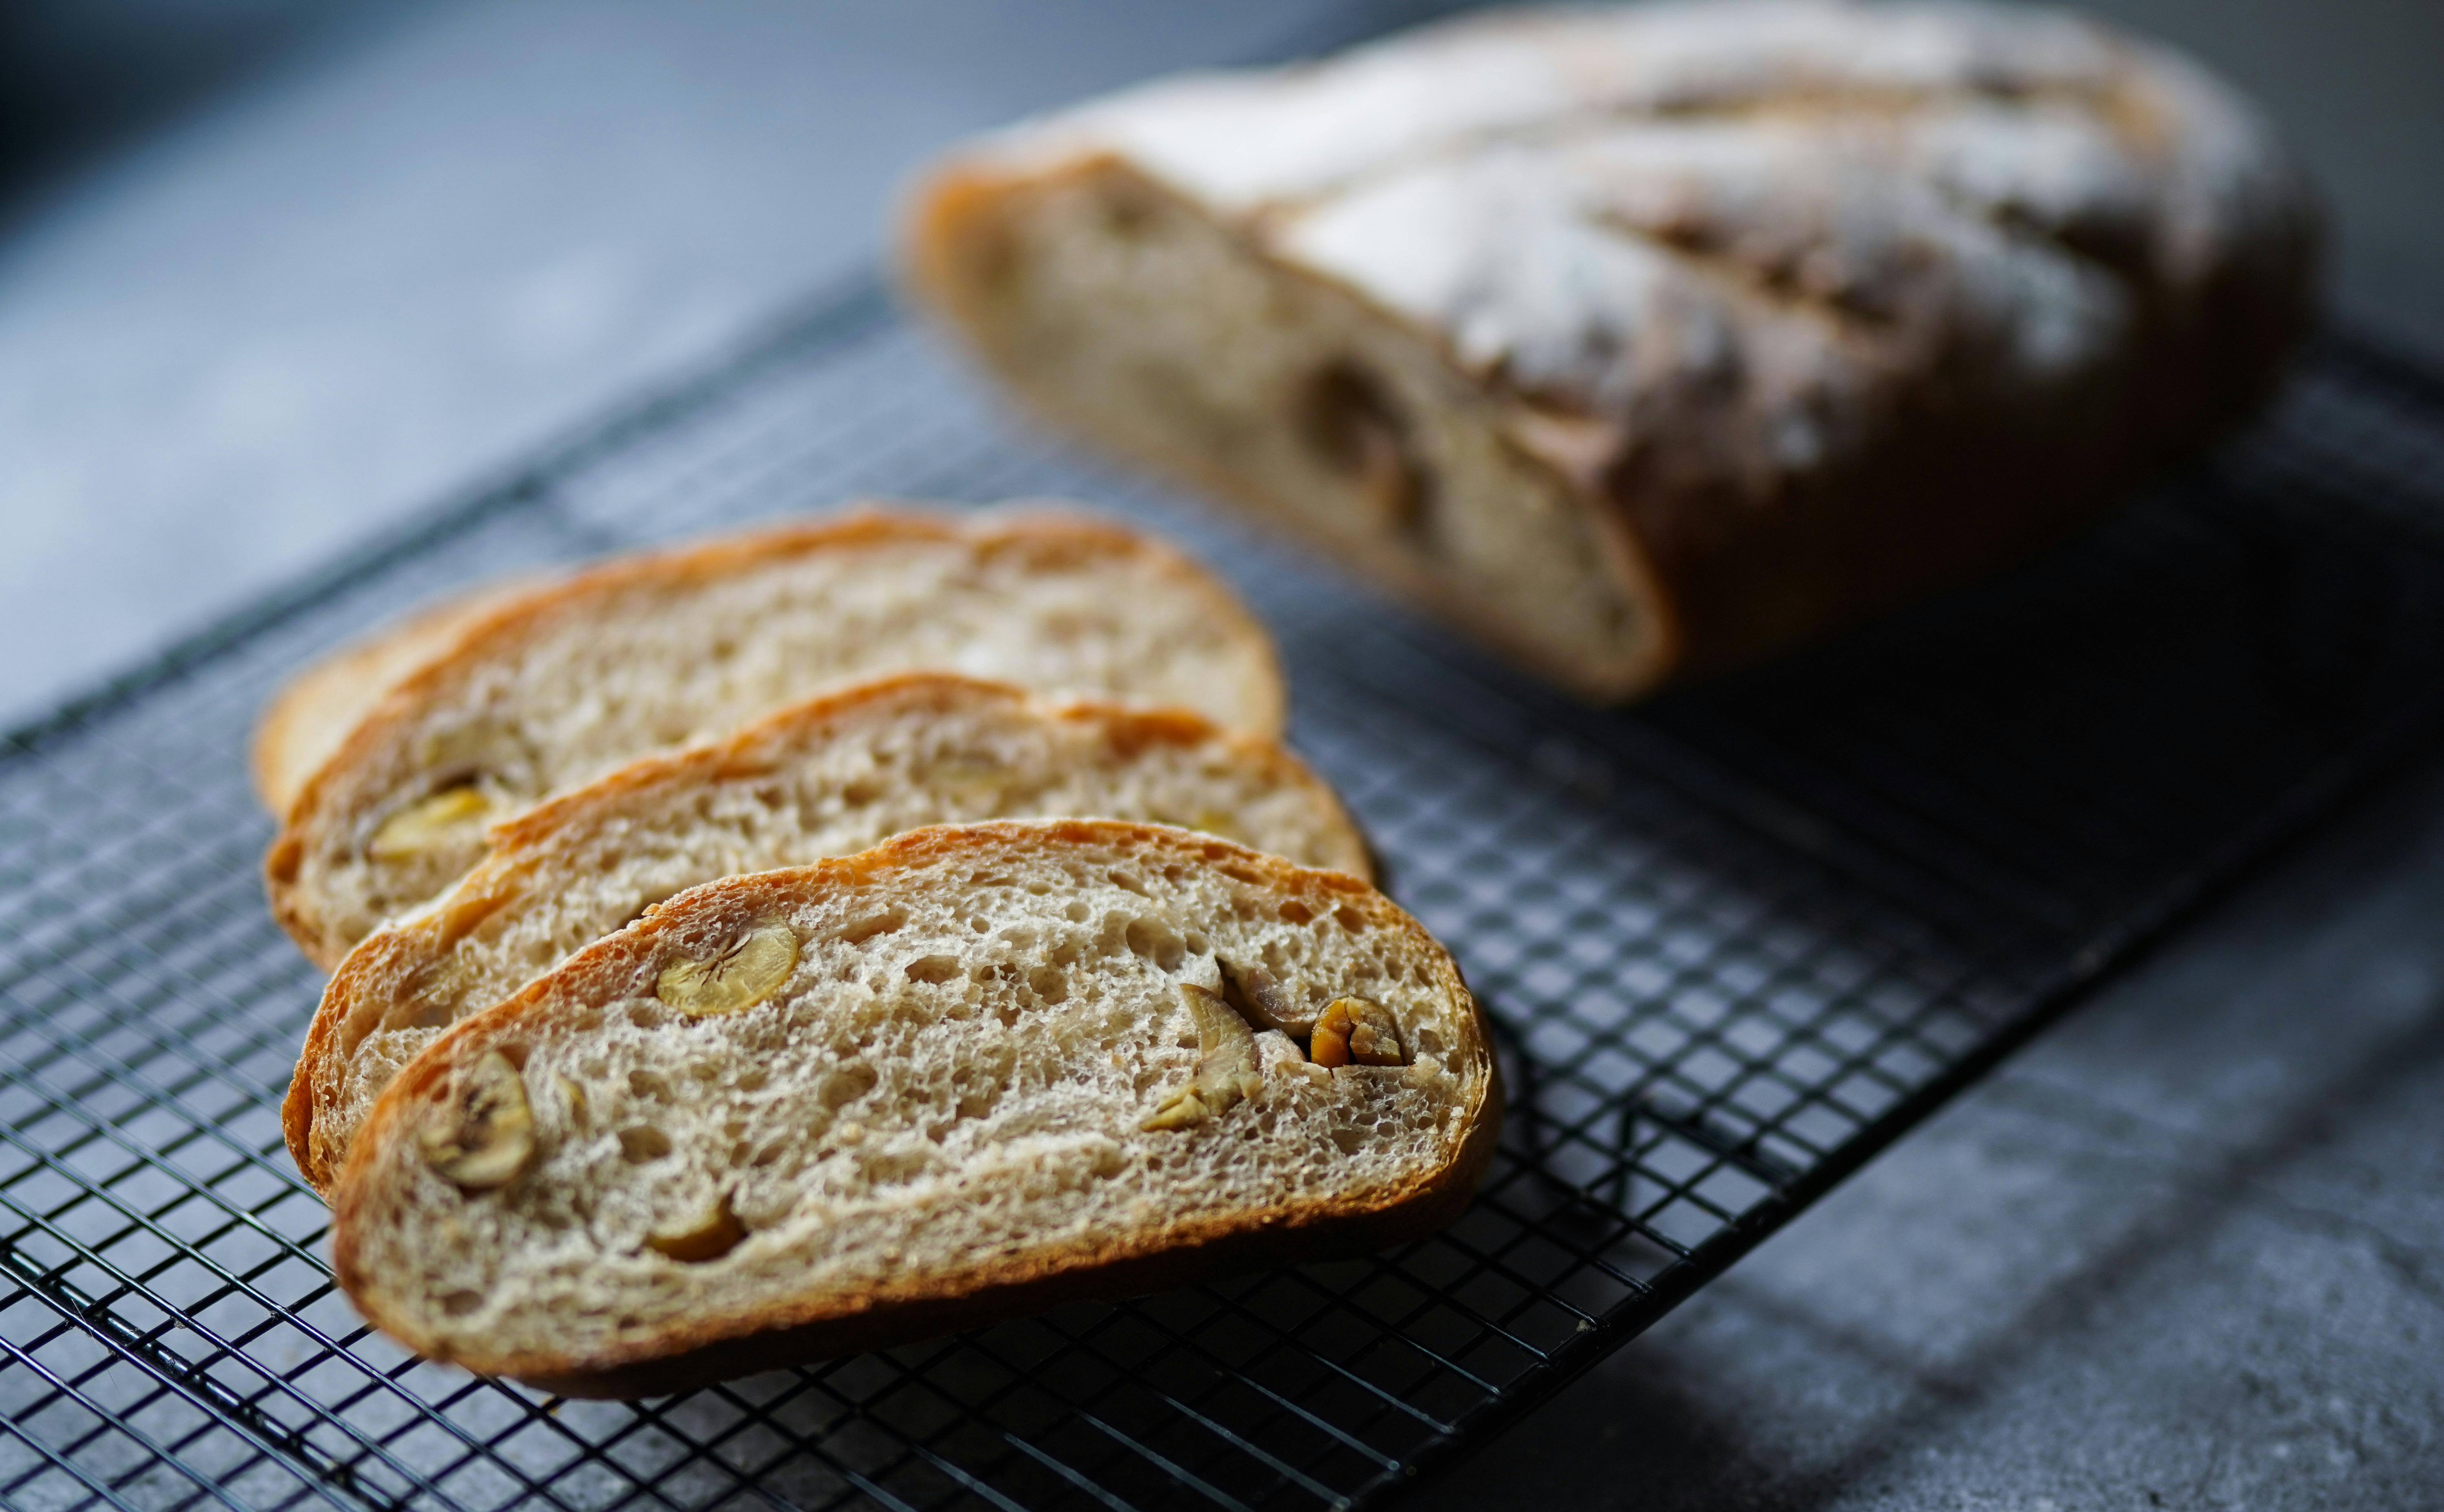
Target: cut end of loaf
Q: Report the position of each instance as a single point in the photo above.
(1122, 312)
(942, 1080)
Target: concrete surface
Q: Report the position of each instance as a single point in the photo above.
(2188, 1251)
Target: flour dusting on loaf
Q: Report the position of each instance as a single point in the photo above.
(972, 1071)
(1648, 338)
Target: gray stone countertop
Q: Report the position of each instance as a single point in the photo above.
(2186, 1251)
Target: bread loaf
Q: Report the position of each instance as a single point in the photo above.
(828, 777)
(1646, 339)
(977, 1069)
(557, 686)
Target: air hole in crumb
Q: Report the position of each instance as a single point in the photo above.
(1350, 919)
(1153, 940)
(1294, 911)
(1077, 912)
(649, 1085)
(848, 1083)
(1352, 425)
(1050, 984)
(458, 1305)
(935, 969)
(863, 930)
(1128, 210)
(857, 795)
(1196, 942)
(641, 1144)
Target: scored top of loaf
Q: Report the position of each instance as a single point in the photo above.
(1593, 203)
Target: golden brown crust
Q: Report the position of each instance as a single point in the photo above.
(384, 955)
(921, 1305)
(1188, 1259)
(1051, 532)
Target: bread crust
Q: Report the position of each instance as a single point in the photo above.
(315, 709)
(1835, 429)
(917, 1306)
(493, 634)
(517, 842)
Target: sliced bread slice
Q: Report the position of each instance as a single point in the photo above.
(561, 684)
(828, 777)
(973, 1070)
(315, 710)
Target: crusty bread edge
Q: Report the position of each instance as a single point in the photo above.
(686, 1354)
(274, 759)
(958, 197)
(517, 838)
(1013, 522)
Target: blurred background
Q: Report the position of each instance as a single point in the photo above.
(273, 272)
(276, 273)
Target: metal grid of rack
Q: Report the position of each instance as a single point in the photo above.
(1735, 942)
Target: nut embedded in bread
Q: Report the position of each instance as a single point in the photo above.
(1647, 338)
(828, 777)
(1003, 1069)
(556, 685)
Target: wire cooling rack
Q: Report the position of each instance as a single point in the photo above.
(1735, 942)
